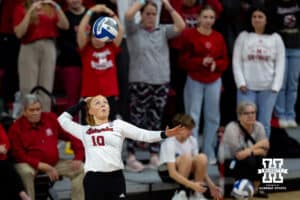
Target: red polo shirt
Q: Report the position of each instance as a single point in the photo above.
(44, 28)
(39, 144)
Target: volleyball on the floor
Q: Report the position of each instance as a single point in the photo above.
(242, 189)
(105, 29)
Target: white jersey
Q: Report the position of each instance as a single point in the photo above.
(171, 148)
(103, 143)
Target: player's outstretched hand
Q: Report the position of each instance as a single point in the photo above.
(177, 130)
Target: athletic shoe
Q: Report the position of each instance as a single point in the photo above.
(212, 161)
(292, 123)
(179, 195)
(283, 123)
(197, 196)
(133, 165)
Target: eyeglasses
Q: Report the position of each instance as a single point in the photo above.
(249, 113)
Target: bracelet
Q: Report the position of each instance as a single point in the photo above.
(163, 134)
(89, 13)
(142, 2)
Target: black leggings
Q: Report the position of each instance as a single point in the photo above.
(246, 168)
(104, 185)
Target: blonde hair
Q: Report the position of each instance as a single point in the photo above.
(89, 118)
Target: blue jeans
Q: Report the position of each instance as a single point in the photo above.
(285, 105)
(265, 101)
(197, 94)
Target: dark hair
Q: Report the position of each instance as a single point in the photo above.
(207, 7)
(183, 120)
(269, 29)
(147, 4)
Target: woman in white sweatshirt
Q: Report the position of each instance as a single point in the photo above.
(258, 65)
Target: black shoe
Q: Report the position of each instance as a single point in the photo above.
(261, 194)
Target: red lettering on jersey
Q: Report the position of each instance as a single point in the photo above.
(95, 130)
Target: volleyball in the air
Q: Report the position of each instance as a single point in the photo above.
(105, 29)
(242, 189)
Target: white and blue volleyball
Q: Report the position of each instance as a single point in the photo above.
(105, 29)
(242, 189)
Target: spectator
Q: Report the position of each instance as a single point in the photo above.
(243, 146)
(180, 159)
(10, 182)
(286, 17)
(36, 23)
(69, 58)
(204, 57)
(149, 71)
(34, 138)
(103, 140)
(9, 49)
(189, 10)
(99, 73)
(258, 65)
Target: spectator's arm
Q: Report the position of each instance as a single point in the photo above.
(130, 13)
(261, 147)
(238, 61)
(186, 60)
(119, 37)
(179, 23)
(222, 61)
(21, 28)
(63, 22)
(279, 64)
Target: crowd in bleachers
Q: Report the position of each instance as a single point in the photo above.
(170, 56)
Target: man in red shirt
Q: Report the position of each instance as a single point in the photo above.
(34, 138)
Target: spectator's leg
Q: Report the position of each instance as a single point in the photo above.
(76, 176)
(138, 102)
(193, 98)
(212, 95)
(47, 70)
(293, 75)
(200, 166)
(123, 69)
(155, 111)
(265, 104)
(27, 174)
(184, 164)
(280, 106)
(28, 67)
